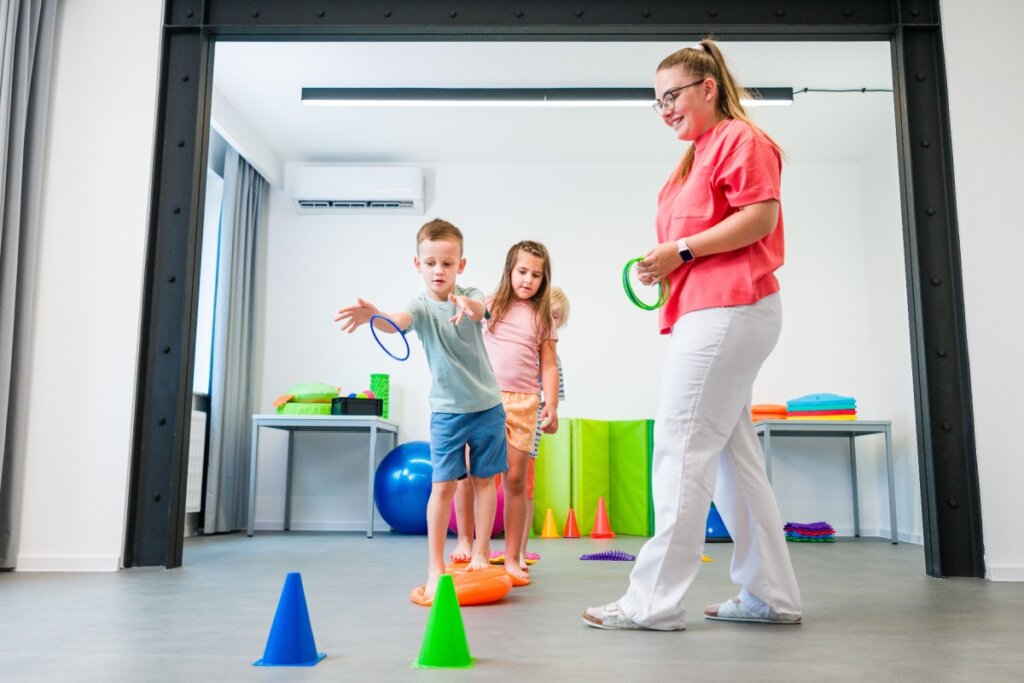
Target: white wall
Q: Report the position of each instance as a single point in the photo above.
(593, 218)
(987, 150)
(891, 390)
(86, 318)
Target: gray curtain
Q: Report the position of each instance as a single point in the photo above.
(231, 385)
(26, 52)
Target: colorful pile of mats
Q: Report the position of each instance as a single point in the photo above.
(822, 407)
(816, 532)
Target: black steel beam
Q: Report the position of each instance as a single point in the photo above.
(950, 501)
(949, 484)
(155, 528)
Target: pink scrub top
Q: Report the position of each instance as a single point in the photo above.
(734, 165)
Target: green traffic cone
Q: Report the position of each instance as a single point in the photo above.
(444, 643)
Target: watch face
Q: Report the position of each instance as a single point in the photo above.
(686, 255)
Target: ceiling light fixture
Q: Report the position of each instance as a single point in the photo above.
(507, 97)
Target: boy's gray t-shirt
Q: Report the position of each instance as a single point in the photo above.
(462, 378)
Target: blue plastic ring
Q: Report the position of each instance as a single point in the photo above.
(397, 329)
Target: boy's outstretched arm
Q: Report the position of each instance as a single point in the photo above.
(467, 306)
(549, 383)
(351, 317)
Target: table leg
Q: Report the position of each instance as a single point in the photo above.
(288, 483)
(373, 462)
(768, 452)
(253, 445)
(853, 480)
(892, 486)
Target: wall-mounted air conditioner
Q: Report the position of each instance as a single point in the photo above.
(364, 190)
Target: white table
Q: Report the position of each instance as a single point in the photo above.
(841, 428)
(316, 423)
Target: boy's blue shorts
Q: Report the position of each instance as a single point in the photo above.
(483, 432)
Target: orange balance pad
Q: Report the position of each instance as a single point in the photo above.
(481, 587)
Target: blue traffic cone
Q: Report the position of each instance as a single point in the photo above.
(715, 531)
(291, 636)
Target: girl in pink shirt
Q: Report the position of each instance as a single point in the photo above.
(520, 337)
(719, 230)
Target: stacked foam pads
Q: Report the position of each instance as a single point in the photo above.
(822, 407)
(768, 411)
(817, 532)
(589, 459)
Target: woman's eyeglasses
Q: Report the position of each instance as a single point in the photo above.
(669, 97)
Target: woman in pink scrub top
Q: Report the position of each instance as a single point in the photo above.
(720, 239)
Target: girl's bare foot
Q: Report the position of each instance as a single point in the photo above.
(462, 552)
(477, 562)
(519, 576)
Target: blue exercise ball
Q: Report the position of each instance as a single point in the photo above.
(401, 487)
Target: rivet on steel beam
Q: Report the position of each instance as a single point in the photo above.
(184, 78)
(713, 13)
(519, 14)
(947, 427)
(847, 12)
(780, 12)
(452, 13)
(255, 13)
(189, 14)
(942, 353)
(579, 13)
(156, 497)
(953, 503)
(915, 12)
(322, 14)
(177, 210)
(167, 349)
(162, 421)
(646, 13)
(172, 279)
(920, 77)
(926, 143)
(387, 13)
(181, 143)
(936, 281)
(930, 211)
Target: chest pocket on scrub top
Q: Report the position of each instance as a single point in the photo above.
(695, 198)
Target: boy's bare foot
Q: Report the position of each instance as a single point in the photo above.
(462, 552)
(523, 564)
(431, 586)
(477, 562)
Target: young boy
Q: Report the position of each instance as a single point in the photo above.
(465, 400)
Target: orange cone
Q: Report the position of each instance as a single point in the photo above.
(572, 530)
(601, 527)
(549, 530)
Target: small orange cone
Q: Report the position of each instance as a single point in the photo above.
(572, 530)
(601, 527)
(549, 530)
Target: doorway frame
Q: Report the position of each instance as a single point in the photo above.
(950, 495)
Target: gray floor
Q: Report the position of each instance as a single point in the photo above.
(870, 611)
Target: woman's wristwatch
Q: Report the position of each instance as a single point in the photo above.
(684, 251)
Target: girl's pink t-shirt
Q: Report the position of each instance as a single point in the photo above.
(513, 345)
(734, 165)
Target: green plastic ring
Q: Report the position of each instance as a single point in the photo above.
(631, 295)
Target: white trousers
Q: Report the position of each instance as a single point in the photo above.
(703, 433)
